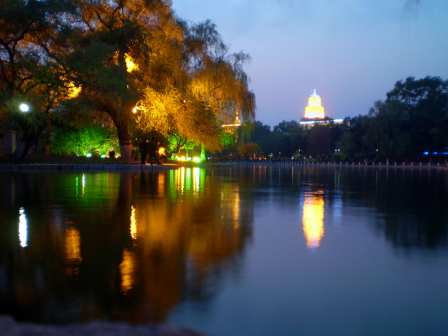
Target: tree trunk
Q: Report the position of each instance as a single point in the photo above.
(29, 145)
(123, 134)
(48, 142)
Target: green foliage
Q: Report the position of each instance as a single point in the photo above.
(177, 142)
(249, 148)
(88, 139)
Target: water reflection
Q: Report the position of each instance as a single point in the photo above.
(23, 228)
(129, 246)
(313, 218)
(127, 267)
(73, 245)
(135, 246)
(133, 227)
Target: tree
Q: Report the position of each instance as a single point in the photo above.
(425, 103)
(28, 73)
(210, 89)
(91, 138)
(262, 135)
(248, 149)
(386, 134)
(122, 49)
(321, 140)
(176, 142)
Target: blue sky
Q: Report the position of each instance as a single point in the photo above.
(351, 51)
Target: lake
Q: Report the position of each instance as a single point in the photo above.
(234, 250)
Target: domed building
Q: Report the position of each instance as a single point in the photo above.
(315, 113)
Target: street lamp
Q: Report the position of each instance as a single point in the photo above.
(24, 107)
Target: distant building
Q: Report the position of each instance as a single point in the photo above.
(314, 112)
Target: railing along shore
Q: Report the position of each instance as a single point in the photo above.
(336, 164)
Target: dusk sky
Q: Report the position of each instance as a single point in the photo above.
(352, 51)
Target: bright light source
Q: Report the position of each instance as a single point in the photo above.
(89, 155)
(24, 107)
(196, 159)
(425, 153)
(314, 108)
(103, 156)
(130, 65)
(135, 109)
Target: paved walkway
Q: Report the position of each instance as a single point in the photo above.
(9, 327)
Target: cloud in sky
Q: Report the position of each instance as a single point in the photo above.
(351, 51)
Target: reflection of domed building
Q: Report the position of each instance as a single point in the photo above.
(313, 218)
(314, 112)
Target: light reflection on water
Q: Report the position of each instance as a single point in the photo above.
(23, 228)
(313, 218)
(227, 251)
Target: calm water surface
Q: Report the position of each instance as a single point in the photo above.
(234, 251)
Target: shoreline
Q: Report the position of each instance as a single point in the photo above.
(85, 167)
(9, 327)
(126, 166)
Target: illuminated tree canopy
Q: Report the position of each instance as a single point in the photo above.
(111, 56)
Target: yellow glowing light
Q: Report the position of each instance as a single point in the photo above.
(236, 210)
(127, 271)
(23, 228)
(180, 179)
(130, 65)
(73, 91)
(314, 108)
(73, 245)
(196, 178)
(313, 219)
(161, 184)
(133, 224)
(236, 123)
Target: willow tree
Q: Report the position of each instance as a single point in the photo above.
(209, 90)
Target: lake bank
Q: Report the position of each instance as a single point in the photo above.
(9, 327)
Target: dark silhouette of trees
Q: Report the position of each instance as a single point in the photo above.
(424, 108)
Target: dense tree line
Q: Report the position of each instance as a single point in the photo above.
(411, 124)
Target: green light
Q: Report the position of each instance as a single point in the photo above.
(196, 159)
(103, 156)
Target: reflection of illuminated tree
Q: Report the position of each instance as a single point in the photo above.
(198, 237)
(103, 253)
